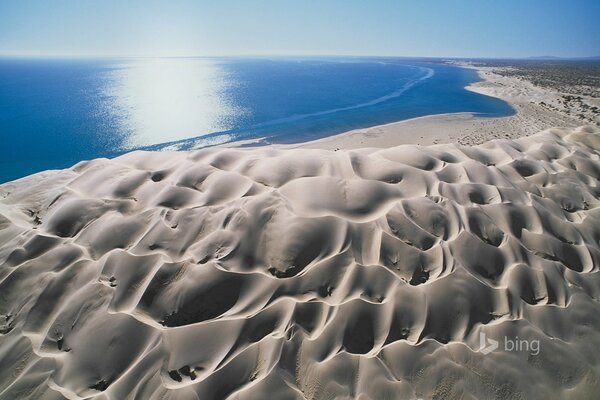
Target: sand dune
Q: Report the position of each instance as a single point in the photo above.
(306, 274)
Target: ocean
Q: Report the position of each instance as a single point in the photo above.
(57, 112)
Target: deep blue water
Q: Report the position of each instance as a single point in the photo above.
(54, 113)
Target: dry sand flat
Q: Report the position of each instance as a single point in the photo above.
(306, 274)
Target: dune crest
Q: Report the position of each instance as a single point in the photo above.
(306, 274)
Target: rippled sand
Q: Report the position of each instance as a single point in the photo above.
(306, 274)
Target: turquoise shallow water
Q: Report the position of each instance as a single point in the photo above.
(54, 113)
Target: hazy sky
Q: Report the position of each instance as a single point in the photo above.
(468, 28)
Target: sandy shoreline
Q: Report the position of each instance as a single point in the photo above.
(298, 272)
(462, 128)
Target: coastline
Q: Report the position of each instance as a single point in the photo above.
(313, 263)
(464, 128)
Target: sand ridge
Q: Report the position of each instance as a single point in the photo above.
(306, 274)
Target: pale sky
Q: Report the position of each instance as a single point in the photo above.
(445, 28)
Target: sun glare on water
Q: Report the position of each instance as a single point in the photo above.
(168, 99)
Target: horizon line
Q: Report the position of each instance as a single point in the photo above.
(260, 55)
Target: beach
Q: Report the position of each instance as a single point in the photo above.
(105, 108)
(286, 200)
(443, 257)
(465, 128)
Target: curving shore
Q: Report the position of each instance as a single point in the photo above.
(307, 274)
(537, 108)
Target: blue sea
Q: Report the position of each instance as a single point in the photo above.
(57, 112)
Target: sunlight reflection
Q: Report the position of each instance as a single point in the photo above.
(168, 99)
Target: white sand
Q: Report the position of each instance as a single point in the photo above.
(306, 274)
(465, 128)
